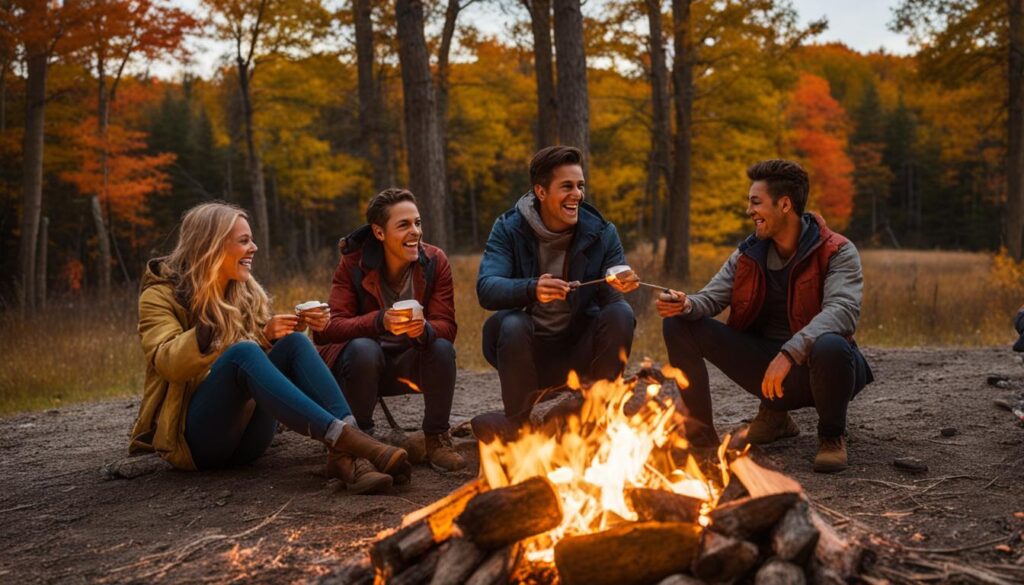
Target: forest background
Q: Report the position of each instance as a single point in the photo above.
(317, 104)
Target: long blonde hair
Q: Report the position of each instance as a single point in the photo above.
(240, 310)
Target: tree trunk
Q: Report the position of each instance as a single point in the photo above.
(32, 177)
(1015, 149)
(661, 129)
(254, 164)
(102, 234)
(372, 137)
(44, 239)
(425, 151)
(3, 96)
(103, 242)
(573, 101)
(677, 246)
(543, 68)
(451, 17)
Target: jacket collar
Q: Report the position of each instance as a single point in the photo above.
(811, 232)
(362, 240)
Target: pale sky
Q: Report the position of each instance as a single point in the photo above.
(860, 24)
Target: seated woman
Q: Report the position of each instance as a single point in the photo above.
(221, 370)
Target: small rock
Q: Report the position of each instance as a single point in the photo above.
(948, 432)
(222, 498)
(911, 464)
(777, 572)
(680, 580)
(132, 467)
(53, 411)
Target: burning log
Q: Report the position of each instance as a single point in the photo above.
(458, 559)
(778, 572)
(794, 537)
(761, 481)
(733, 491)
(420, 572)
(750, 516)
(628, 554)
(724, 559)
(833, 553)
(497, 568)
(355, 572)
(662, 505)
(506, 515)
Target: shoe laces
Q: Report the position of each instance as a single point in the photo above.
(444, 440)
(832, 443)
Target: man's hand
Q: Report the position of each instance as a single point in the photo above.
(281, 325)
(771, 386)
(550, 288)
(672, 303)
(399, 324)
(316, 319)
(625, 284)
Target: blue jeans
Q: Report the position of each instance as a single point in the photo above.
(290, 383)
(527, 363)
(834, 373)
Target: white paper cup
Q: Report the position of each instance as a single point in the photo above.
(309, 305)
(411, 309)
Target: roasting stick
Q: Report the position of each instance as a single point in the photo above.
(577, 284)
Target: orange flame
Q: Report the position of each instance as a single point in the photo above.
(598, 455)
(412, 385)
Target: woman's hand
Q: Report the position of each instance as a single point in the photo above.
(316, 319)
(281, 325)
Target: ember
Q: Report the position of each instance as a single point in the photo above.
(613, 494)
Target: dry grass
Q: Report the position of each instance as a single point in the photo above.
(80, 351)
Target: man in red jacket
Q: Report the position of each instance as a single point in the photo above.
(374, 350)
(794, 291)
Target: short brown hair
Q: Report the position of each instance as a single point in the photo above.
(784, 178)
(378, 210)
(544, 163)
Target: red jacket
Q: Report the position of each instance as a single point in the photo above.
(806, 282)
(357, 308)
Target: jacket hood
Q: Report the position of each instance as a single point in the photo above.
(154, 274)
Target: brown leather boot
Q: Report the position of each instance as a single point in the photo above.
(359, 475)
(831, 455)
(385, 458)
(770, 426)
(442, 455)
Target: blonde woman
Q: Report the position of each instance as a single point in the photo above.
(221, 369)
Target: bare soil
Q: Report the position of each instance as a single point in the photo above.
(281, 520)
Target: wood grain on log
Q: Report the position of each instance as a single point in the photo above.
(628, 554)
(420, 572)
(502, 516)
(441, 514)
(662, 505)
(459, 558)
(750, 516)
(497, 568)
(794, 537)
(834, 552)
(399, 550)
(761, 481)
(722, 558)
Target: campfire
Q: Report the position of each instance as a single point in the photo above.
(612, 494)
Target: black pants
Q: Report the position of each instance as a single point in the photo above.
(834, 373)
(527, 362)
(365, 370)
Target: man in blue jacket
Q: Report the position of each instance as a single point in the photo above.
(544, 327)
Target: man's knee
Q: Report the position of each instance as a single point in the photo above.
(617, 319)
(362, 356)
(442, 350)
(516, 328)
(831, 350)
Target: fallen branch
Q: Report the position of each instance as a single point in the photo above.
(956, 549)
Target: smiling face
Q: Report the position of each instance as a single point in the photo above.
(239, 249)
(402, 234)
(560, 200)
(769, 216)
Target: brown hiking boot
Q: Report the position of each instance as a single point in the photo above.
(413, 443)
(387, 459)
(359, 475)
(442, 455)
(831, 455)
(770, 426)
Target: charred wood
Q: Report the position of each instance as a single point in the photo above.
(662, 505)
(779, 572)
(459, 558)
(750, 516)
(500, 517)
(834, 553)
(794, 537)
(497, 568)
(396, 552)
(629, 554)
(419, 573)
(723, 559)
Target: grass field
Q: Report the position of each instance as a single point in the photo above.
(80, 351)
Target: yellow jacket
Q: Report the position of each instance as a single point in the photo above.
(174, 369)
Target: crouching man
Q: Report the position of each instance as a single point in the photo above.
(794, 291)
(544, 327)
(375, 351)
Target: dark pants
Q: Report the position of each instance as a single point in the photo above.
(527, 362)
(233, 414)
(834, 373)
(365, 370)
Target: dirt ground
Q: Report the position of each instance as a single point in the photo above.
(280, 520)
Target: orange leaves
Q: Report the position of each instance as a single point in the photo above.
(819, 139)
(130, 176)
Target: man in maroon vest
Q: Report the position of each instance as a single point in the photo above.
(794, 292)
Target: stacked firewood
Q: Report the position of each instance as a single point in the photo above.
(762, 530)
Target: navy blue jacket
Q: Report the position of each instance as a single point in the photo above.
(509, 271)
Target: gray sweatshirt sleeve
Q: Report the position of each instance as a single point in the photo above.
(715, 296)
(840, 307)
